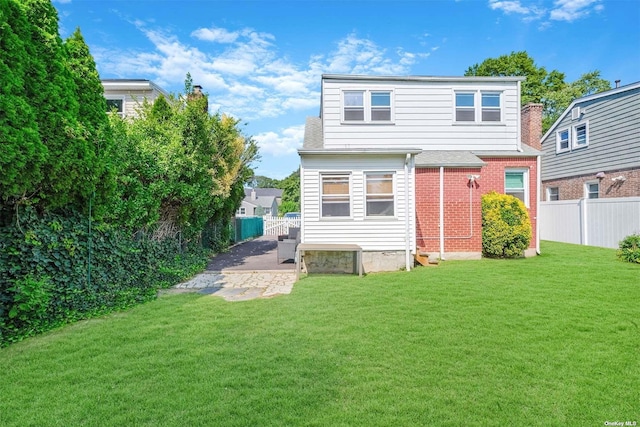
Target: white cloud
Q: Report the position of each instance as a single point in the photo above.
(562, 10)
(218, 35)
(570, 10)
(284, 143)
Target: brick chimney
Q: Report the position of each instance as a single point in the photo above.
(531, 125)
(197, 94)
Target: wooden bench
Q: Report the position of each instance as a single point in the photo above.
(327, 247)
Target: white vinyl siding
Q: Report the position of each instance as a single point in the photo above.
(423, 115)
(372, 233)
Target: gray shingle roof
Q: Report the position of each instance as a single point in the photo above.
(313, 133)
(432, 158)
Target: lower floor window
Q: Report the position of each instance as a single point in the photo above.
(516, 184)
(592, 190)
(553, 194)
(336, 199)
(380, 200)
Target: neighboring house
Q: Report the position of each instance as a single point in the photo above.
(398, 165)
(125, 95)
(593, 149)
(260, 201)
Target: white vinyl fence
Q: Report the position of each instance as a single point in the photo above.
(593, 222)
(276, 226)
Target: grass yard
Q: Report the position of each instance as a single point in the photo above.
(547, 341)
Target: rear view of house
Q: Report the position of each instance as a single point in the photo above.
(398, 165)
(125, 95)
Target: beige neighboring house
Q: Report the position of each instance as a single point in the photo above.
(126, 94)
(259, 202)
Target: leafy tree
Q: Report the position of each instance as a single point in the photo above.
(260, 181)
(548, 88)
(290, 192)
(52, 94)
(22, 153)
(92, 117)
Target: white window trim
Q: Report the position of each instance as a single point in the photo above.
(367, 106)
(118, 98)
(574, 135)
(393, 188)
(321, 194)
(477, 107)
(563, 150)
(549, 194)
(525, 179)
(586, 188)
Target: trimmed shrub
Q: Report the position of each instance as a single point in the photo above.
(506, 228)
(630, 249)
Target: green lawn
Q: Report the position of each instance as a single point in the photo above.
(549, 341)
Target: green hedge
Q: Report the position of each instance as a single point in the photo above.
(629, 249)
(58, 269)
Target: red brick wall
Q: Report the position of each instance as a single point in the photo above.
(462, 228)
(573, 187)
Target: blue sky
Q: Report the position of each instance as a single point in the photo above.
(261, 61)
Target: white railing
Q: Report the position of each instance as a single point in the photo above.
(276, 226)
(593, 222)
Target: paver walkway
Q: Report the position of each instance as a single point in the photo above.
(248, 270)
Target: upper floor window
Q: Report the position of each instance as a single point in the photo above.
(562, 140)
(580, 135)
(516, 184)
(465, 107)
(117, 105)
(354, 106)
(490, 106)
(367, 106)
(335, 195)
(379, 194)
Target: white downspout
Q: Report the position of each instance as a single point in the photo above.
(539, 187)
(442, 212)
(406, 213)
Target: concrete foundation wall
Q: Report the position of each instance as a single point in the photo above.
(325, 262)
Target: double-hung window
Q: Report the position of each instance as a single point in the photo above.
(553, 194)
(490, 106)
(465, 107)
(562, 140)
(592, 190)
(335, 195)
(367, 106)
(516, 183)
(580, 135)
(379, 194)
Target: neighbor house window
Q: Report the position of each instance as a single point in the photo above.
(354, 106)
(242, 211)
(553, 194)
(367, 106)
(115, 105)
(580, 135)
(379, 194)
(490, 107)
(336, 198)
(592, 190)
(562, 140)
(465, 107)
(516, 184)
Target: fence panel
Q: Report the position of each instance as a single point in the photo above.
(276, 226)
(248, 227)
(594, 222)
